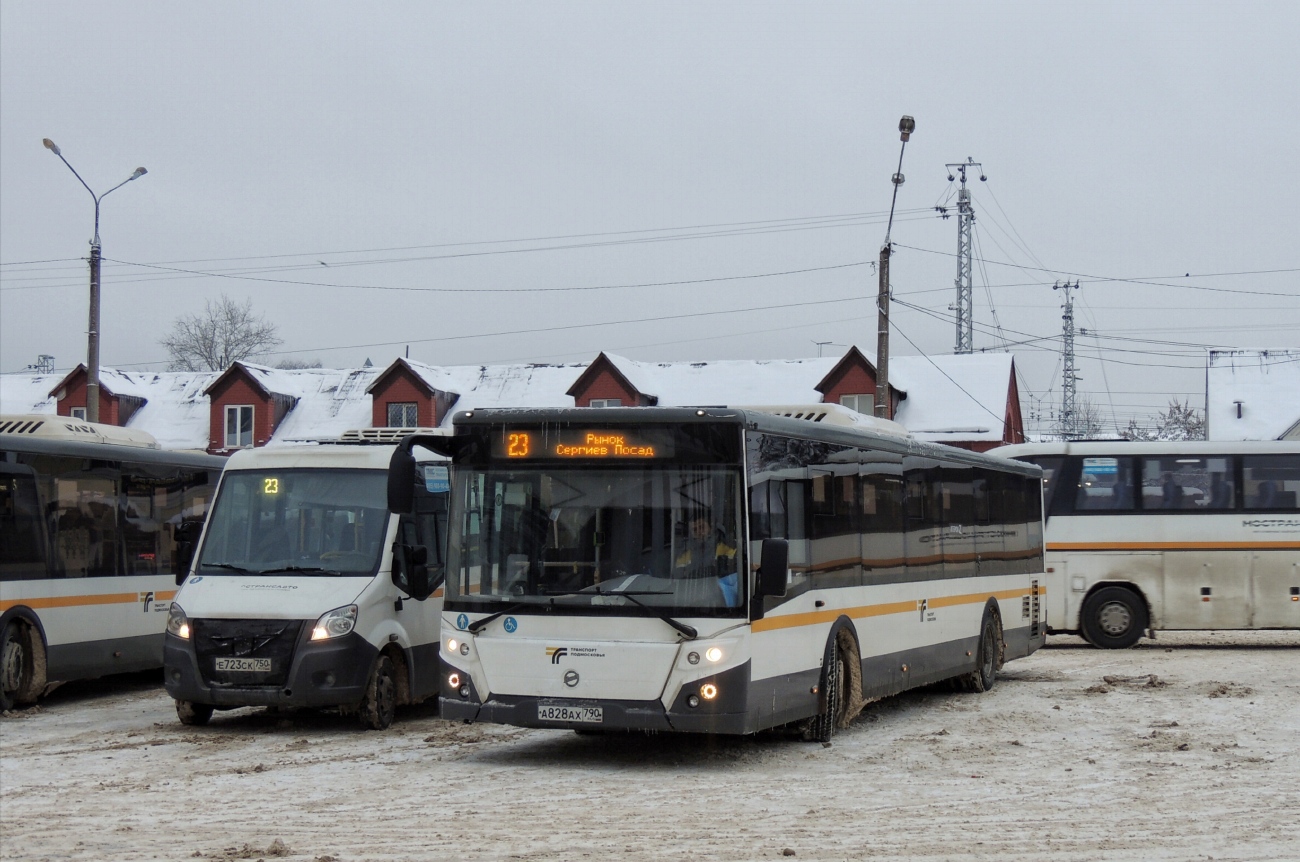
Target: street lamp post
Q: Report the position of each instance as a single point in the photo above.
(906, 126)
(92, 347)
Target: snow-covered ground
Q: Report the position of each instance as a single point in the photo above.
(1183, 748)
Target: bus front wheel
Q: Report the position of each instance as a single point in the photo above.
(193, 714)
(22, 665)
(1113, 618)
(821, 727)
(379, 704)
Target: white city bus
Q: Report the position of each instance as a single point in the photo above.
(1169, 535)
(300, 593)
(724, 570)
(93, 522)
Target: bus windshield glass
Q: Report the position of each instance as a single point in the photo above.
(663, 535)
(301, 522)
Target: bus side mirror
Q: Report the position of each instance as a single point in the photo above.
(773, 567)
(401, 481)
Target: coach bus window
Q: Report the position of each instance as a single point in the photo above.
(21, 536)
(1271, 482)
(1105, 483)
(1177, 482)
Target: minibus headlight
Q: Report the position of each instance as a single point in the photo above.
(177, 623)
(335, 624)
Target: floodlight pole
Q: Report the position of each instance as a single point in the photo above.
(906, 126)
(92, 345)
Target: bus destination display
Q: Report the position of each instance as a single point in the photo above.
(580, 444)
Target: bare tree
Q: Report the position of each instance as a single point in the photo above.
(225, 332)
(295, 364)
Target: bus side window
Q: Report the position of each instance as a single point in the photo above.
(21, 536)
(1271, 482)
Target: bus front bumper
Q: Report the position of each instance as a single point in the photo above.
(725, 713)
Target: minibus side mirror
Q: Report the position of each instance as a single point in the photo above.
(187, 535)
(773, 567)
(411, 570)
(401, 481)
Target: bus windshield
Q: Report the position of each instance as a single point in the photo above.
(310, 522)
(665, 537)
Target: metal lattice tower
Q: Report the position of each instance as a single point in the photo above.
(964, 306)
(1069, 424)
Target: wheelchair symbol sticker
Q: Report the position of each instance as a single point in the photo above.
(462, 622)
(511, 624)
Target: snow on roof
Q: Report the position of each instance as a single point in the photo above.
(175, 411)
(953, 397)
(1266, 384)
(727, 381)
(278, 381)
(482, 386)
(26, 392)
(330, 401)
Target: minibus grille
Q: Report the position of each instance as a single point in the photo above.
(254, 640)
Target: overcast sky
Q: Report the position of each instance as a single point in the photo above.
(490, 183)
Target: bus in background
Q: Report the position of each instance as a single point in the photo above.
(300, 588)
(724, 570)
(93, 528)
(1170, 535)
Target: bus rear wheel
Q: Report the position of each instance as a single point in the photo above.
(988, 657)
(193, 714)
(1113, 618)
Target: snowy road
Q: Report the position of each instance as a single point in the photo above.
(1185, 748)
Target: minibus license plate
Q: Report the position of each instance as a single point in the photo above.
(561, 712)
(244, 665)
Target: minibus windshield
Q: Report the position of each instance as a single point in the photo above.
(302, 522)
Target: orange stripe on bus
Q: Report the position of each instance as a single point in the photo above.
(1174, 546)
(80, 601)
(813, 618)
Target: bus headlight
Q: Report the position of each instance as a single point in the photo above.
(177, 623)
(335, 624)
(713, 654)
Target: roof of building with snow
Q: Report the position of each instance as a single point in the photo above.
(1252, 394)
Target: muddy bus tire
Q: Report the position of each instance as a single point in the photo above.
(379, 703)
(821, 727)
(988, 658)
(1113, 618)
(193, 714)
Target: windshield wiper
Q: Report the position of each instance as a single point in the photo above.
(315, 570)
(234, 568)
(478, 625)
(690, 631)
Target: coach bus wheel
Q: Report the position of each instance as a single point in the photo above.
(379, 703)
(1113, 618)
(988, 659)
(821, 727)
(14, 661)
(193, 714)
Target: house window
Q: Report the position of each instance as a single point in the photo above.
(862, 403)
(403, 414)
(78, 413)
(239, 426)
(607, 402)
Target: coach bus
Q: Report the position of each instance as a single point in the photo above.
(93, 528)
(1169, 535)
(724, 570)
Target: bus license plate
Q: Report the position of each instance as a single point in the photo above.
(244, 665)
(560, 712)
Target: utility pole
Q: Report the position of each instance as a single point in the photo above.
(1069, 416)
(92, 346)
(964, 307)
(906, 126)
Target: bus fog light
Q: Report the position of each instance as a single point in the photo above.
(713, 654)
(708, 691)
(454, 680)
(693, 701)
(464, 649)
(693, 658)
(464, 690)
